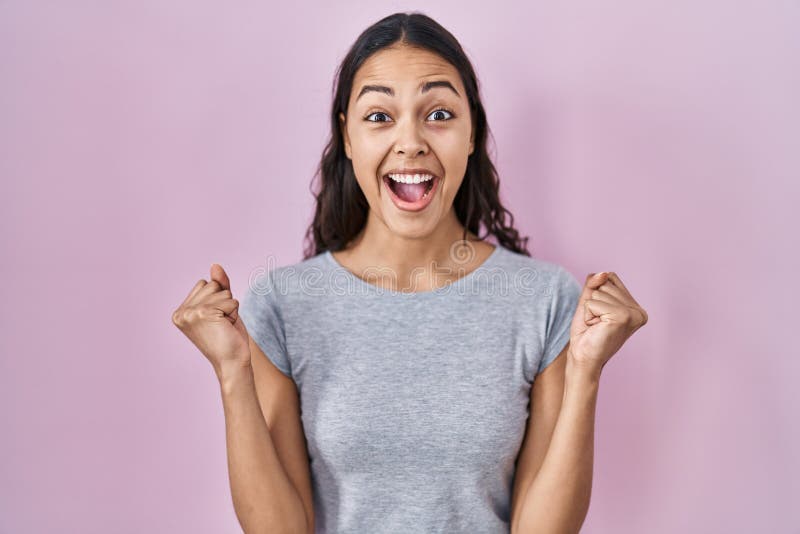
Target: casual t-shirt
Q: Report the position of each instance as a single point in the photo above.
(414, 404)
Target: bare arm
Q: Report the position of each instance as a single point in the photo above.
(557, 500)
(264, 497)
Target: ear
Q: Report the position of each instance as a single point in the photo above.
(346, 138)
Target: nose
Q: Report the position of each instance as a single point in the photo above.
(410, 140)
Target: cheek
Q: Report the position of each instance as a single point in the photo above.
(452, 143)
(367, 139)
(369, 152)
(453, 151)
(365, 177)
(365, 166)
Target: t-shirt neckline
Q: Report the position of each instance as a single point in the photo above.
(413, 294)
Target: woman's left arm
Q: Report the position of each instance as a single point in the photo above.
(557, 499)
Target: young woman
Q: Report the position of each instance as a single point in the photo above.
(407, 375)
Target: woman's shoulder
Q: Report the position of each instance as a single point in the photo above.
(287, 279)
(532, 274)
(517, 261)
(312, 263)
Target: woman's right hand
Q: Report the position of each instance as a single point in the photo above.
(209, 318)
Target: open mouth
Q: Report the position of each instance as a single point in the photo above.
(408, 191)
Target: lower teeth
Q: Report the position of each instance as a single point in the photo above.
(429, 190)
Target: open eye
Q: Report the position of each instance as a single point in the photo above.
(439, 110)
(443, 110)
(367, 118)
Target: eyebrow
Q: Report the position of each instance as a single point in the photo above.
(423, 88)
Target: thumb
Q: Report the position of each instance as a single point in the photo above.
(218, 274)
(239, 324)
(593, 281)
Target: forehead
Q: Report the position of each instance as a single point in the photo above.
(405, 65)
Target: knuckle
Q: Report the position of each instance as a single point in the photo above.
(183, 317)
(627, 317)
(191, 315)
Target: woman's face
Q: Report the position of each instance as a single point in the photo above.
(396, 122)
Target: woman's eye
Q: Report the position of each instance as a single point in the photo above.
(376, 113)
(440, 111)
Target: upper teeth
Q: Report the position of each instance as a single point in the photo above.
(411, 178)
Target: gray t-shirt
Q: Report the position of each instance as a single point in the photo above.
(414, 405)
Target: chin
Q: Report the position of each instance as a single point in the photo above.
(412, 229)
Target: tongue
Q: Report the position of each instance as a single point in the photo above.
(410, 192)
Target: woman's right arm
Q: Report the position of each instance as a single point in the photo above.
(264, 497)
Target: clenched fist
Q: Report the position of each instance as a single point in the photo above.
(209, 318)
(606, 316)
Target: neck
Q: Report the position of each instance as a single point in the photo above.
(423, 263)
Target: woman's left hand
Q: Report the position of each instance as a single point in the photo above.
(606, 316)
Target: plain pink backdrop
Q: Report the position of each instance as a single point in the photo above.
(142, 141)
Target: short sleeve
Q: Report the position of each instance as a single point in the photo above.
(260, 312)
(566, 293)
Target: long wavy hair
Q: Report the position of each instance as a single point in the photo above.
(341, 207)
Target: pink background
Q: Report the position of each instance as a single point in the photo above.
(142, 141)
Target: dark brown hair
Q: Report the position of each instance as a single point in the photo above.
(341, 209)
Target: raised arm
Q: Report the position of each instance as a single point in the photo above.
(555, 486)
(264, 497)
(554, 473)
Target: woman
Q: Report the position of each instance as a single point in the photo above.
(407, 375)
